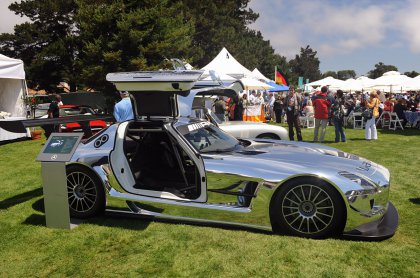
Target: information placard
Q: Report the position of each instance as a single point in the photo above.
(60, 147)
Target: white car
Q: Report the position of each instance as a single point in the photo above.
(238, 129)
(243, 129)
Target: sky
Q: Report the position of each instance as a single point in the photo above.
(347, 34)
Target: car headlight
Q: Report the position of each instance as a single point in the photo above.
(63, 126)
(368, 187)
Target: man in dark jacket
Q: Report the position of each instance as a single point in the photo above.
(293, 105)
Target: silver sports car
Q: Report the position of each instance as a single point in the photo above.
(169, 164)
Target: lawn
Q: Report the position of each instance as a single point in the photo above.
(108, 246)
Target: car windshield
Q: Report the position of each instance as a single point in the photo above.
(207, 138)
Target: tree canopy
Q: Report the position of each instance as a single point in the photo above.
(380, 69)
(305, 64)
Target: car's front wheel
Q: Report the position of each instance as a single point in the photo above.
(86, 194)
(309, 208)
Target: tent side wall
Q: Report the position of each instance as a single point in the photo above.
(12, 92)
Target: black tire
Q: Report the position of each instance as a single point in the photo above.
(86, 194)
(268, 136)
(308, 207)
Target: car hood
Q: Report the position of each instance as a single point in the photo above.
(289, 158)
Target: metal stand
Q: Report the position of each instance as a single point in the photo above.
(57, 151)
(56, 204)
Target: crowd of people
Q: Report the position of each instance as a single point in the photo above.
(325, 106)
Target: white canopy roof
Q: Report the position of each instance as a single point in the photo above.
(391, 81)
(12, 86)
(225, 63)
(11, 68)
(12, 91)
(258, 75)
(356, 84)
(254, 84)
(412, 84)
(327, 81)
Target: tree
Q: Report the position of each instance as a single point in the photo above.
(329, 73)
(305, 64)
(218, 24)
(411, 74)
(47, 44)
(380, 69)
(346, 74)
(129, 36)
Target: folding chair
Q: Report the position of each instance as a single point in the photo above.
(358, 121)
(308, 121)
(395, 122)
(384, 119)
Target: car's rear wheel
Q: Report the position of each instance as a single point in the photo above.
(268, 136)
(86, 194)
(309, 208)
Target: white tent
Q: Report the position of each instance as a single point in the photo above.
(254, 84)
(356, 84)
(225, 63)
(391, 81)
(12, 90)
(412, 84)
(328, 81)
(208, 80)
(258, 75)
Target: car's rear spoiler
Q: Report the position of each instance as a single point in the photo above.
(19, 126)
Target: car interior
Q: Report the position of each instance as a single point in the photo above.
(157, 161)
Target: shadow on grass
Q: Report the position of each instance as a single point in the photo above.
(21, 198)
(406, 132)
(149, 219)
(35, 220)
(39, 205)
(415, 201)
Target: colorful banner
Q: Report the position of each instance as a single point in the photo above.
(300, 82)
(254, 113)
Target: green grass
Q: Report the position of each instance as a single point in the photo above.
(125, 247)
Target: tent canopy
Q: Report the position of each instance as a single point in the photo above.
(12, 86)
(327, 81)
(258, 75)
(254, 84)
(11, 68)
(12, 90)
(391, 81)
(225, 63)
(277, 87)
(413, 84)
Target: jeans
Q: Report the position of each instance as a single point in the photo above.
(339, 131)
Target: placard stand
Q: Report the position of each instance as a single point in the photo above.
(57, 151)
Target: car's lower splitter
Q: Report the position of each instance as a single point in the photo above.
(376, 230)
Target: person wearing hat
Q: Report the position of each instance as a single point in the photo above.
(123, 110)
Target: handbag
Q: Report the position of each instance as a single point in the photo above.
(367, 113)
